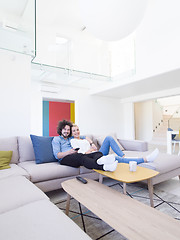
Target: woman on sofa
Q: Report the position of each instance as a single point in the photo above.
(87, 146)
(69, 156)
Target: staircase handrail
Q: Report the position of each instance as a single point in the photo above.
(173, 115)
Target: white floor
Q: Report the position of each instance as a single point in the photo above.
(170, 186)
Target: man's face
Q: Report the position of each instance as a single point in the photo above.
(65, 131)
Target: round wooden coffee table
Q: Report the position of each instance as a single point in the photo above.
(123, 174)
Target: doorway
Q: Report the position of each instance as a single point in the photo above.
(55, 111)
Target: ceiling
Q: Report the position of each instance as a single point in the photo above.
(63, 17)
(137, 87)
(13, 7)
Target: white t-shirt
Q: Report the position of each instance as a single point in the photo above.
(83, 144)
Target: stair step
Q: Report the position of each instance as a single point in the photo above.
(160, 135)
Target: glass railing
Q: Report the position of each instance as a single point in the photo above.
(83, 57)
(18, 26)
(52, 76)
(76, 60)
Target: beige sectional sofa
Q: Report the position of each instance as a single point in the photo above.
(48, 176)
(26, 213)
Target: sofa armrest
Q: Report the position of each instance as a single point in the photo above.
(134, 145)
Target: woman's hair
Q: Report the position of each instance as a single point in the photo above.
(74, 125)
(62, 125)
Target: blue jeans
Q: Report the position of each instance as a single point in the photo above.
(110, 142)
(127, 160)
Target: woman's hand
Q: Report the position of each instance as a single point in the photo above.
(93, 147)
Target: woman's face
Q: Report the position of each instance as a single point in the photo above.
(75, 132)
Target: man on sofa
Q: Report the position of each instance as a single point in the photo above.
(66, 155)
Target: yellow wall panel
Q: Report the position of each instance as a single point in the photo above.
(72, 112)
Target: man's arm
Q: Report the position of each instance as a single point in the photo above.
(56, 145)
(63, 154)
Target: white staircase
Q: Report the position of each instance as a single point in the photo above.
(160, 134)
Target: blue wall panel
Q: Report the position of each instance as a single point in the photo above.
(45, 118)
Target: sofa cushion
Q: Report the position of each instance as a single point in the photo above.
(100, 140)
(43, 149)
(5, 158)
(149, 165)
(39, 220)
(18, 191)
(85, 170)
(10, 144)
(47, 171)
(136, 153)
(134, 145)
(15, 170)
(163, 163)
(26, 151)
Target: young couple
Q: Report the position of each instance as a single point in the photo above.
(64, 149)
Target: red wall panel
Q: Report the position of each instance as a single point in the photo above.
(57, 112)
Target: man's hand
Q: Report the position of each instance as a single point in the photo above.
(72, 151)
(64, 154)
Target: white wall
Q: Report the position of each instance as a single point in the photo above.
(36, 109)
(21, 102)
(157, 38)
(96, 115)
(174, 123)
(14, 94)
(127, 130)
(144, 120)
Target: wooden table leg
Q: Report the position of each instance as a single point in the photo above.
(124, 188)
(68, 204)
(100, 178)
(150, 188)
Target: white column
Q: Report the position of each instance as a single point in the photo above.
(169, 142)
